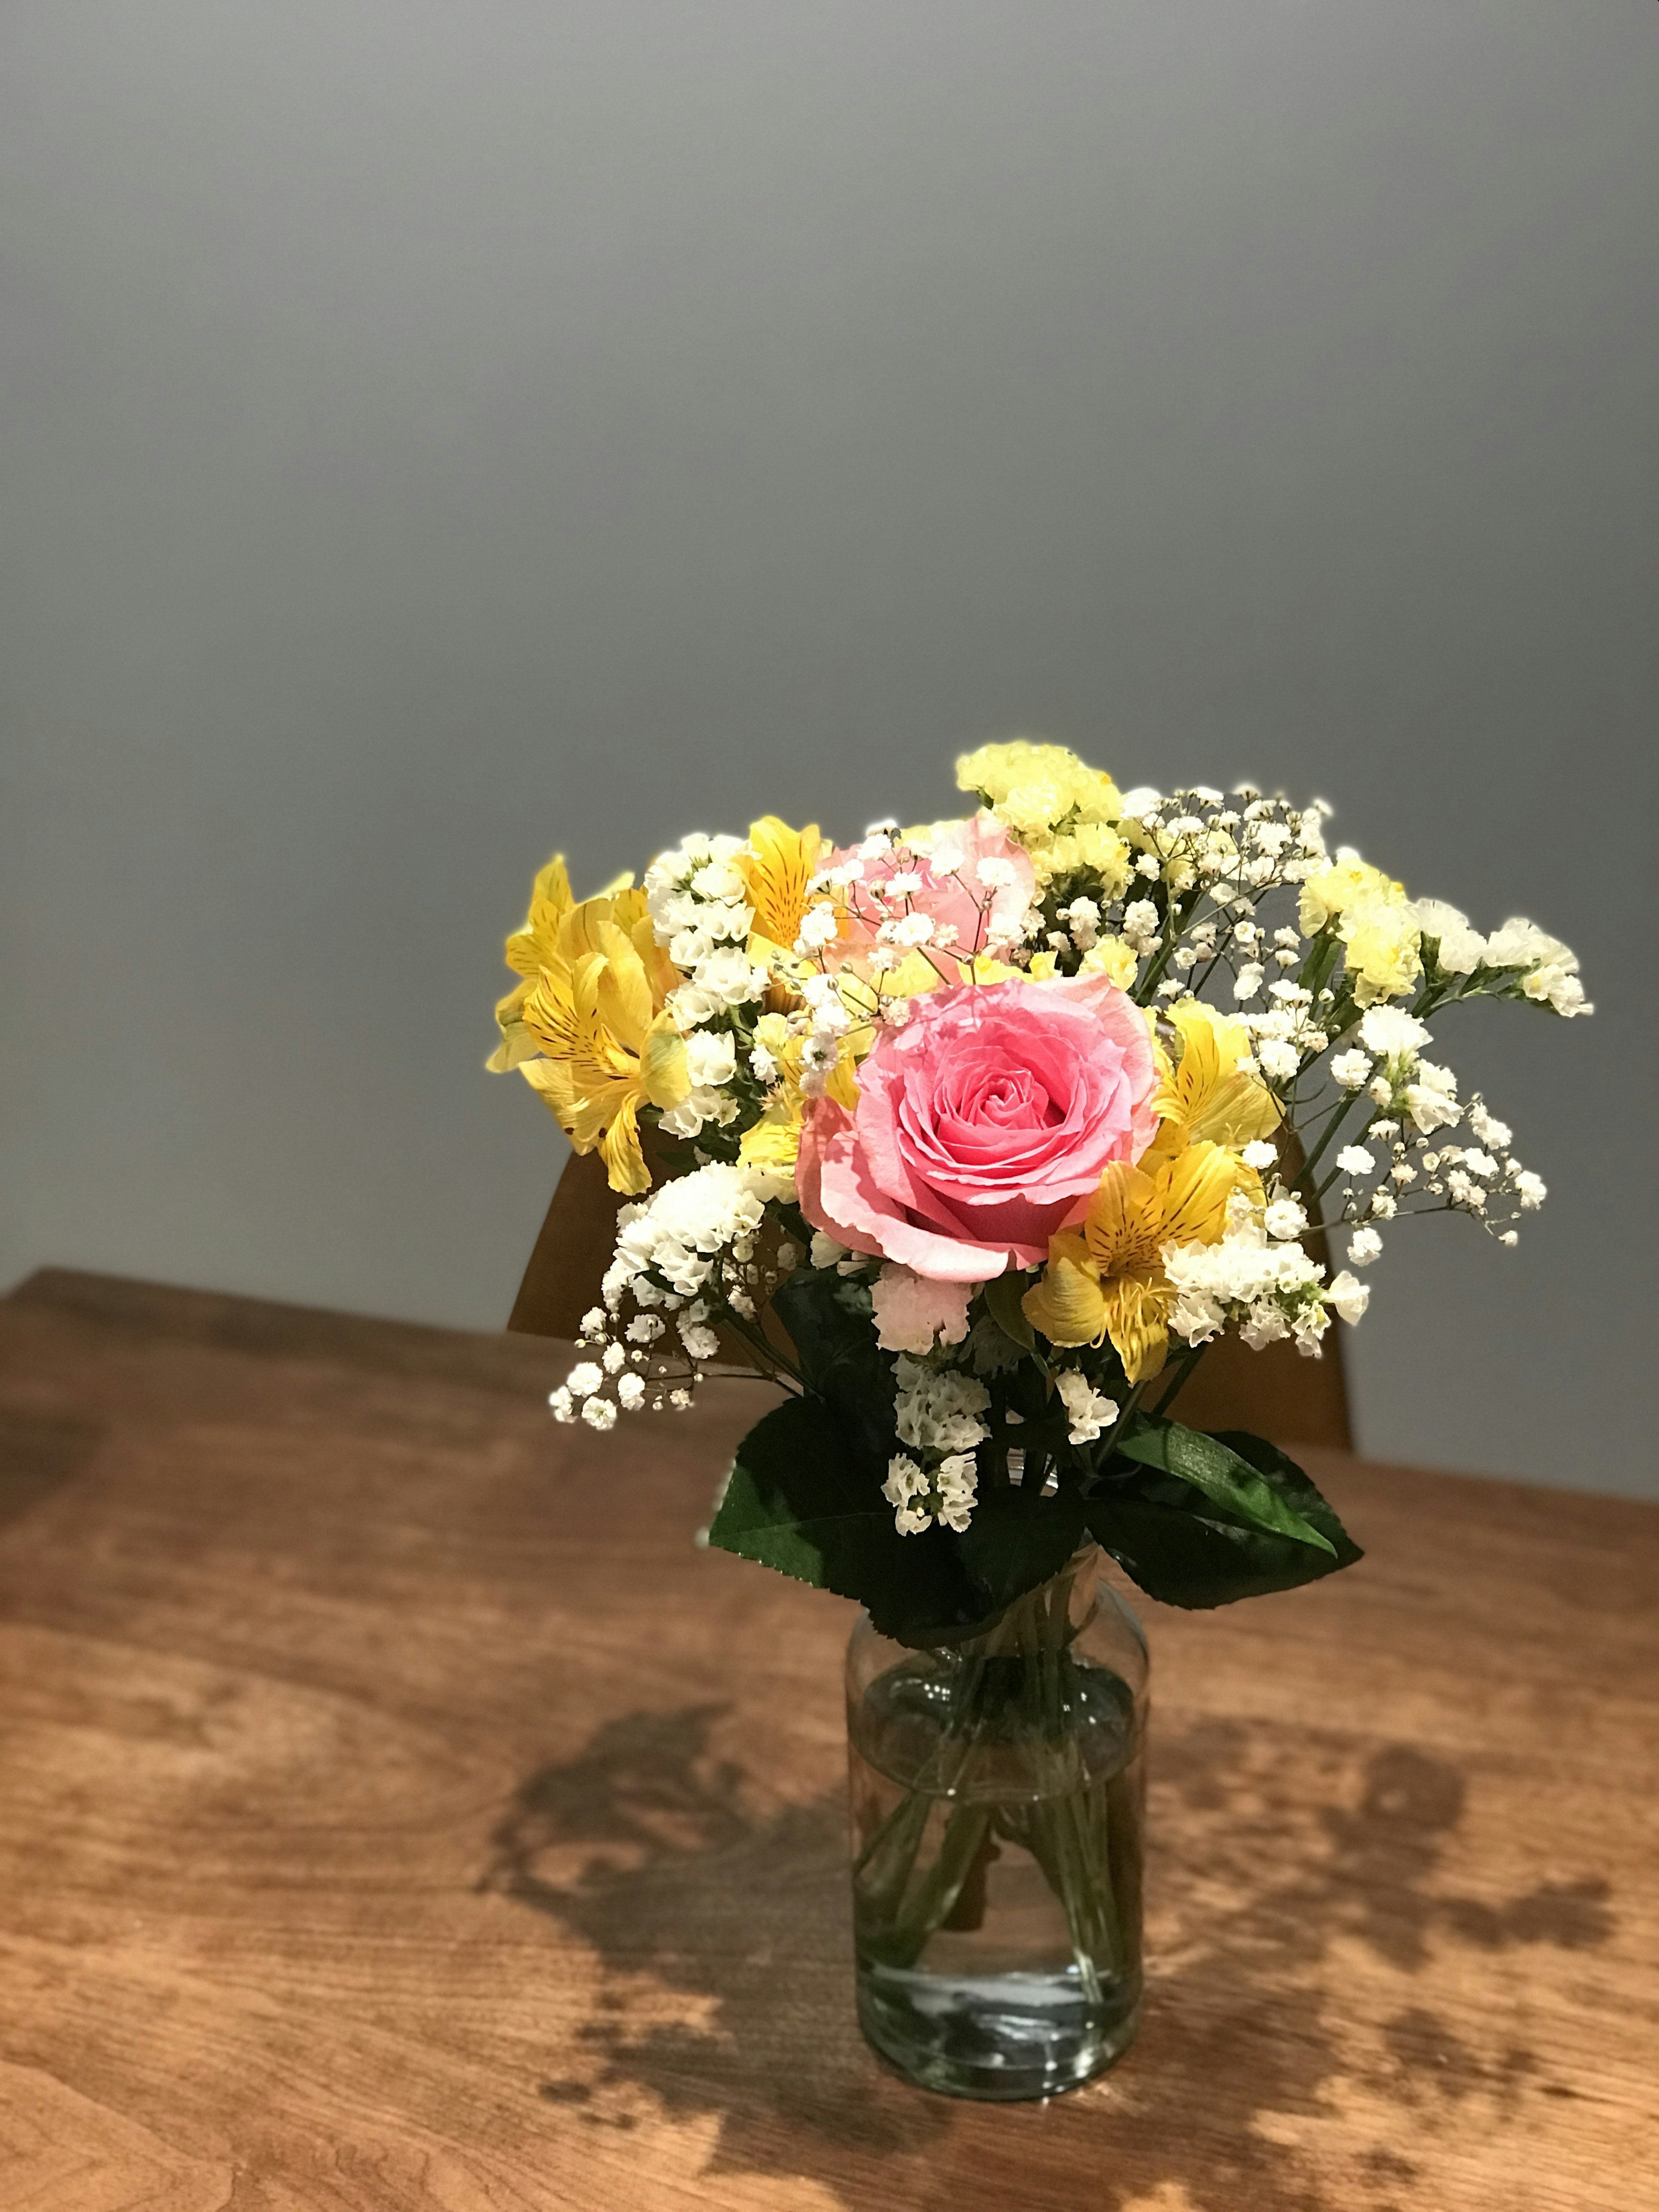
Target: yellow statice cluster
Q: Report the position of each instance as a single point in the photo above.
(1381, 936)
(587, 1026)
(1062, 811)
(1105, 1279)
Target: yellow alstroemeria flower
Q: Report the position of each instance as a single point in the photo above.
(586, 1027)
(1106, 1279)
(776, 869)
(1204, 1095)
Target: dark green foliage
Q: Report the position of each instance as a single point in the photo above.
(1196, 1520)
(1226, 1478)
(799, 1499)
(1190, 1550)
(1014, 1542)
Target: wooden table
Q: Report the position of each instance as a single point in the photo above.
(399, 1811)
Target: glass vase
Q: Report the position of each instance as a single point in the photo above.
(998, 1801)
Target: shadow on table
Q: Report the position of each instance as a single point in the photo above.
(724, 1937)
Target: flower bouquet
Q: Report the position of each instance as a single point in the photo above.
(972, 1137)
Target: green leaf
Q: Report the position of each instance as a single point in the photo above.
(801, 1499)
(1190, 1553)
(989, 1350)
(840, 1362)
(1002, 1302)
(1227, 1478)
(1013, 1543)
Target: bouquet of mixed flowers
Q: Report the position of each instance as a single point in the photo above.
(975, 1135)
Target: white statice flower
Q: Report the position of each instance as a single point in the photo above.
(1269, 1290)
(730, 976)
(711, 1057)
(1351, 1069)
(689, 1224)
(1311, 1321)
(690, 946)
(1391, 1033)
(1551, 971)
(913, 1312)
(1090, 1409)
(1264, 1323)
(1355, 1160)
(717, 879)
(918, 1498)
(905, 1484)
(1461, 950)
(939, 1409)
(957, 1480)
(1365, 1246)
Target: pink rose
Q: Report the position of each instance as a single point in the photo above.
(974, 885)
(983, 1121)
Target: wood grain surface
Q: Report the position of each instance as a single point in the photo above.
(395, 1809)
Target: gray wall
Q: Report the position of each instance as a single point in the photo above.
(434, 434)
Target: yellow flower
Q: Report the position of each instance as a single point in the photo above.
(776, 869)
(591, 1006)
(1106, 1279)
(1089, 849)
(1204, 1094)
(1111, 958)
(1348, 881)
(1382, 946)
(1381, 939)
(1035, 786)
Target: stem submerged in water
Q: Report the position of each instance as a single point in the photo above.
(1010, 1766)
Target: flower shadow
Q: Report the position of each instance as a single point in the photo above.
(723, 1932)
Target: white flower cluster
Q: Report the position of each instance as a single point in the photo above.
(1267, 1286)
(688, 1253)
(1091, 1410)
(1395, 1169)
(1219, 865)
(697, 900)
(1544, 968)
(938, 1412)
